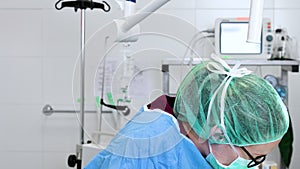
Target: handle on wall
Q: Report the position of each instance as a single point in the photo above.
(48, 110)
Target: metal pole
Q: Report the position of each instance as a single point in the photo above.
(82, 78)
(79, 4)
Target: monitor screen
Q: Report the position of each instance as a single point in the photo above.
(233, 39)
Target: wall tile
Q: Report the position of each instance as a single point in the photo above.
(20, 128)
(61, 33)
(178, 4)
(172, 4)
(58, 80)
(20, 159)
(287, 4)
(61, 131)
(230, 4)
(29, 4)
(50, 4)
(206, 18)
(187, 15)
(56, 160)
(20, 33)
(21, 80)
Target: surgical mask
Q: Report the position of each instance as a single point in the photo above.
(239, 163)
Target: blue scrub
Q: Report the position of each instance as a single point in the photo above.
(150, 140)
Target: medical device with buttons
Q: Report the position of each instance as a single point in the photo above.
(231, 39)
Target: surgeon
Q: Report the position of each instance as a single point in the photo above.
(222, 117)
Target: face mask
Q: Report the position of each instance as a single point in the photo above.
(239, 163)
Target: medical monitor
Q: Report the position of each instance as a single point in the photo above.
(231, 40)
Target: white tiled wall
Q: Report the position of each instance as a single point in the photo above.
(23, 159)
(30, 4)
(21, 79)
(39, 48)
(289, 4)
(21, 32)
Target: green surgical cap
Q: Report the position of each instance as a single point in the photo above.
(253, 111)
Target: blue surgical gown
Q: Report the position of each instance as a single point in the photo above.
(150, 140)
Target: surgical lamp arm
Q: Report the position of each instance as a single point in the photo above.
(254, 28)
(255, 21)
(133, 20)
(128, 26)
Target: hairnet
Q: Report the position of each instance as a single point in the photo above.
(249, 112)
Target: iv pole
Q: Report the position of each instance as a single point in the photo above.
(82, 5)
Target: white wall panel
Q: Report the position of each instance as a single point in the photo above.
(56, 160)
(50, 4)
(172, 32)
(61, 33)
(172, 4)
(229, 4)
(206, 18)
(179, 4)
(187, 15)
(20, 80)
(287, 3)
(96, 21)
(20, 128)
(20, 33)
(61, 131)
(20, 4)
(58, 81)
(21, 159)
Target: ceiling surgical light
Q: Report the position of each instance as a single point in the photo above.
(255, 22)
(129, 25)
